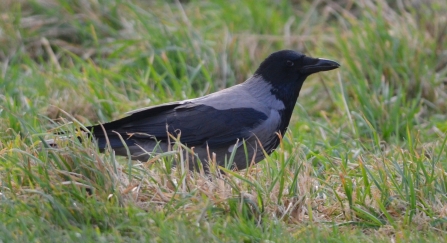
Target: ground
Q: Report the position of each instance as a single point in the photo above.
(363, 160)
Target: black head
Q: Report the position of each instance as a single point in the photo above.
(291, 66)
(286, 71)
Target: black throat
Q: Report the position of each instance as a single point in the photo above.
(288, 93)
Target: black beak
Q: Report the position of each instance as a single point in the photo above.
(314, 65)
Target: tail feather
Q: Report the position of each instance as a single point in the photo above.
(115, 141)
(109, 137)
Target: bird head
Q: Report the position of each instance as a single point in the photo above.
(290, 66)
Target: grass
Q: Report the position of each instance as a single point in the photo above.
(364, 158)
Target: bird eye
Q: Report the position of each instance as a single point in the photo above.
(289, 63)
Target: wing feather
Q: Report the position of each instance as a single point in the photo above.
(198, 124)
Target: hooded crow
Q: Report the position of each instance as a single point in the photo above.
(244, 121)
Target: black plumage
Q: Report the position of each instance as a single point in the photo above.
(252, 112)
(217, 127)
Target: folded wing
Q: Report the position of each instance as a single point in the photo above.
(197, 124)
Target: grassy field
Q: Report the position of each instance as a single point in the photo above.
(364, 159)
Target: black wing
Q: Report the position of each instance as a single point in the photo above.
(198, 124)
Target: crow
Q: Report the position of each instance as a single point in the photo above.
(245, 121)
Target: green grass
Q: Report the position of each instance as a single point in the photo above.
(364, 159)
